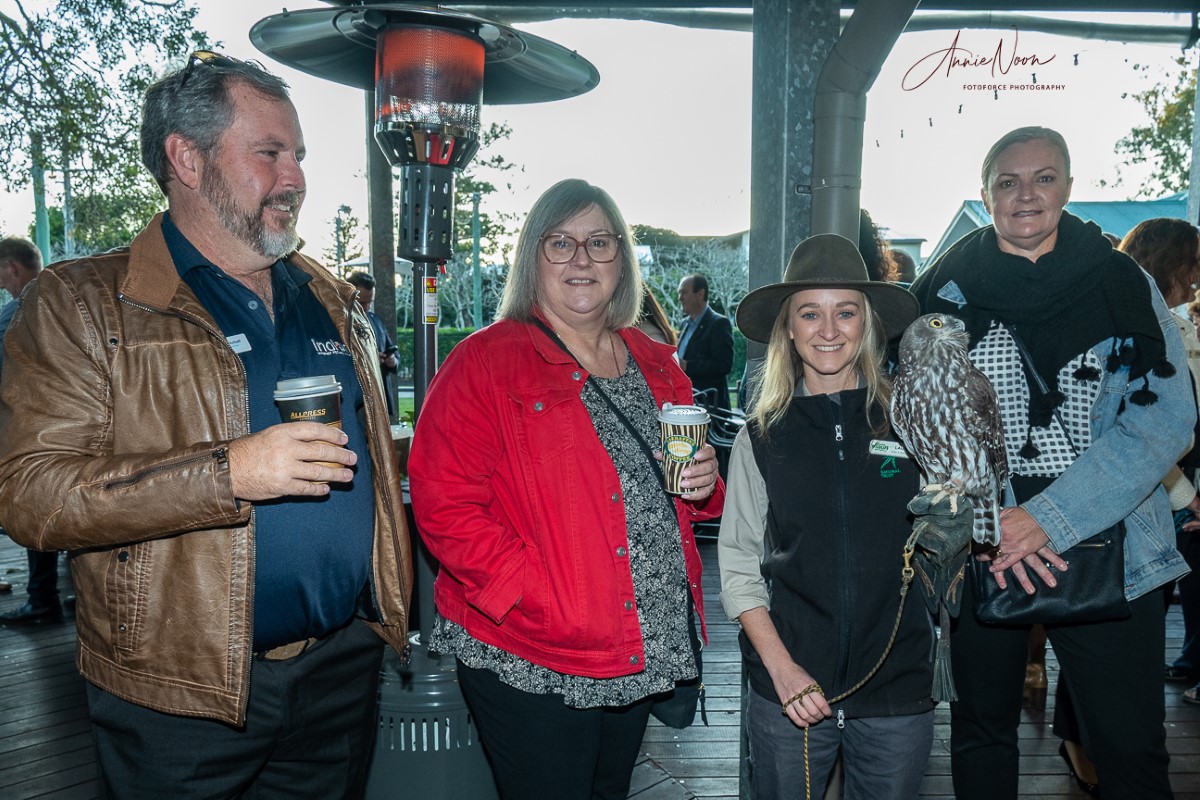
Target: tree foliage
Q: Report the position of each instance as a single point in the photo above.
(1165, 141)
(348, 236)
(72, 75)
(488, 174)
(105, 219)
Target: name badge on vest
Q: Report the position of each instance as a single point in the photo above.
(879, 447)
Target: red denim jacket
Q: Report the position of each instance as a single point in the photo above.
(520, 504)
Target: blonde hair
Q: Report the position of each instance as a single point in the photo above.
(784, 369)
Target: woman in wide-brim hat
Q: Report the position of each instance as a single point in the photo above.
(815, 520)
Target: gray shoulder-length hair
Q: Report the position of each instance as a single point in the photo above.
(559, 203)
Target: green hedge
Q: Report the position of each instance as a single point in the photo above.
(448, 337)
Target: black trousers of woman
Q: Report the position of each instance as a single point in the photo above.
(540, 748)
(1114, 673)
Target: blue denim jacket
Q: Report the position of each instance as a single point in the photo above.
(1120, 475)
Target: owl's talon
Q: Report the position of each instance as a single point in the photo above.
(941, 491)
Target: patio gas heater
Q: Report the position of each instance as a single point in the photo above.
(431, 70)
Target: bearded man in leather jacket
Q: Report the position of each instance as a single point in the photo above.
(222, 561)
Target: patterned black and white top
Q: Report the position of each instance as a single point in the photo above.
(655, 558)
(997, 356)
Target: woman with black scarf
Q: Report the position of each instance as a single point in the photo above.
(1114, 372)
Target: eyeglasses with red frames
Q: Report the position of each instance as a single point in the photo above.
(558, 248)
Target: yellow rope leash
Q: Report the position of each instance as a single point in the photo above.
(906, 576)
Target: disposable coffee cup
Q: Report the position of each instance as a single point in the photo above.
(313, 399)
(684, 431)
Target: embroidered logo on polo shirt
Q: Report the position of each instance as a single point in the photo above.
(330, 347)
(889, 469)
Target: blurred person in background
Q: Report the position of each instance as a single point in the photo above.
(705, 344)
(389, 360)
(1169, 249)
(20, 263)
(653, 320)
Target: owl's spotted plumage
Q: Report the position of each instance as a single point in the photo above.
(945, 411)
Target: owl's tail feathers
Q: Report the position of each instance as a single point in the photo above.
(942, 535)
(987, 523)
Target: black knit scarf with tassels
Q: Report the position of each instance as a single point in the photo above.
(1074, 297)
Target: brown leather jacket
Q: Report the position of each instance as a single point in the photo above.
(119, 396)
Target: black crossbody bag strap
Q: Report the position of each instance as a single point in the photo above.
(637, 437)
(1041, 384)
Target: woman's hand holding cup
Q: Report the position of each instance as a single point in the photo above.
(700, 479)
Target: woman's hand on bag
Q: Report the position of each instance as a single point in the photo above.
(807, 710)
(1193, 507)
(1023, 544)
(700, 479)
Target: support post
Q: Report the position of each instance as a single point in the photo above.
(41, 219)
(382, 231)
(791, 43)
(477, 274)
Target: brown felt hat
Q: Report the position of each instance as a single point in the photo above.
(825, 261)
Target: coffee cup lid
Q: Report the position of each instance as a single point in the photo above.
(683, 415)
(313, 384)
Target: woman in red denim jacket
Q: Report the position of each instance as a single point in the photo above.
(566, 569)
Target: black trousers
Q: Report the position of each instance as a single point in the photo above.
(540, 748)
(1113, 671)
(43, 578)
(309, 730)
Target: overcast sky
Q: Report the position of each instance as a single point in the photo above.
(667, 131)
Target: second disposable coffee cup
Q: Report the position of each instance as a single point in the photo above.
(684, 431)
(314, 399)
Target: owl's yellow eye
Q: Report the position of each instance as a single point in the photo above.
(935, 323)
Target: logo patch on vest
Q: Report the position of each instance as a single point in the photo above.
(330, 347)
(889, 469)
(890, 452)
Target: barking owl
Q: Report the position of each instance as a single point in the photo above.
(945, 412)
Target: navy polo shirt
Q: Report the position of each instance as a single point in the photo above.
(312, 555)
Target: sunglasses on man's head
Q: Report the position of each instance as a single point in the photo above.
(209, 57)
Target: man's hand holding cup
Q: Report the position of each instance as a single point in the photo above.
(301, 456)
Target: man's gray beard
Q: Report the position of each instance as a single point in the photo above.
(249, 227)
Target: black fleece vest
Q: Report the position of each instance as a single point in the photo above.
(836, 527)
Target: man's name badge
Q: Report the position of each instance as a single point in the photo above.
(879, 447)
(239, 343)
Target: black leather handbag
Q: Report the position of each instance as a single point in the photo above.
(1091, 590)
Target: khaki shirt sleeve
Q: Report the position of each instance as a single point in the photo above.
(741, 545)
(1180, 490)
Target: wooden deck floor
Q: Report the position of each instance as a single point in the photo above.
(46, 748)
